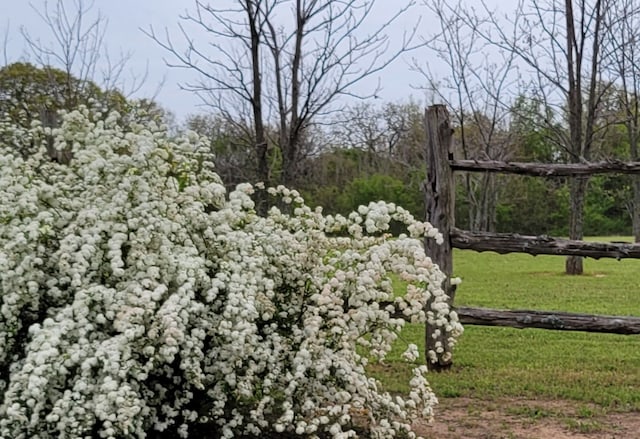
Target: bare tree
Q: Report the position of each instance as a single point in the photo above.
(68, 68)
(392, 133)
(284, 63)
(479, 93)
(79, 49)
(560, 47)
(624, 19)
(407, 136)
(563, 45)
(362, 126)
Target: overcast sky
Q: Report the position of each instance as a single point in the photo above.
(125, 18)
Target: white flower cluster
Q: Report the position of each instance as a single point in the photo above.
(139, 299)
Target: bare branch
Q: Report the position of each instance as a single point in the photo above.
(79, 48)
(5, 44)
(288, 61)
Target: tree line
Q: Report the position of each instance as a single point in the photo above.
(377, 152)
(552, 81)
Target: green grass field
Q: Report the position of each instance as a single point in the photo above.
(491, 362)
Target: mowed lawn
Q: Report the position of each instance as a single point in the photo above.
(491, 362)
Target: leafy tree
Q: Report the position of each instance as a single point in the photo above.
(608, 206)
(372, 146)
(378, 187)
(328, 174)
(31, 94)
(533, 139)
(342, 178)
(533, 206)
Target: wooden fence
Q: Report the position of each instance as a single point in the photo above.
(439, 188)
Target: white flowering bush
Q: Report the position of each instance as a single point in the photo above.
(139, 299)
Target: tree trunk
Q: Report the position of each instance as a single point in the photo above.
(262, 153)
(636, 208)
(260, 136)
(482, 201)
(578, 188)
(489, 199)
(632, 132)
(473, 203)
(493, 203)
(290, 158)
(470, 203)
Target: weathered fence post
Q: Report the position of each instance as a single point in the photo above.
(439, 190)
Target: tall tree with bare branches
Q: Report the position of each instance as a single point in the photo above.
(561, 49)
(284, 64)
(477, 88)
(623, 17)
(76, 45)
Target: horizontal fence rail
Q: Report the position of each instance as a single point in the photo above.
(536, 319)
(540, 245)
(546, 169)
(549, 320)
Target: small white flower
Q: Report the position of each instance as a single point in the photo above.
(411, 354)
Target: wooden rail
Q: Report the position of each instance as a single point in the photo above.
(540, 245)
(546, 169)
(548, 320)
(557, 320)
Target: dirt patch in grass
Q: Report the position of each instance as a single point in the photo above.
(514, 418)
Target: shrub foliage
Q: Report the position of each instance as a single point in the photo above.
(139, 299)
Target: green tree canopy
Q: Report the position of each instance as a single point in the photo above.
(29, 93)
